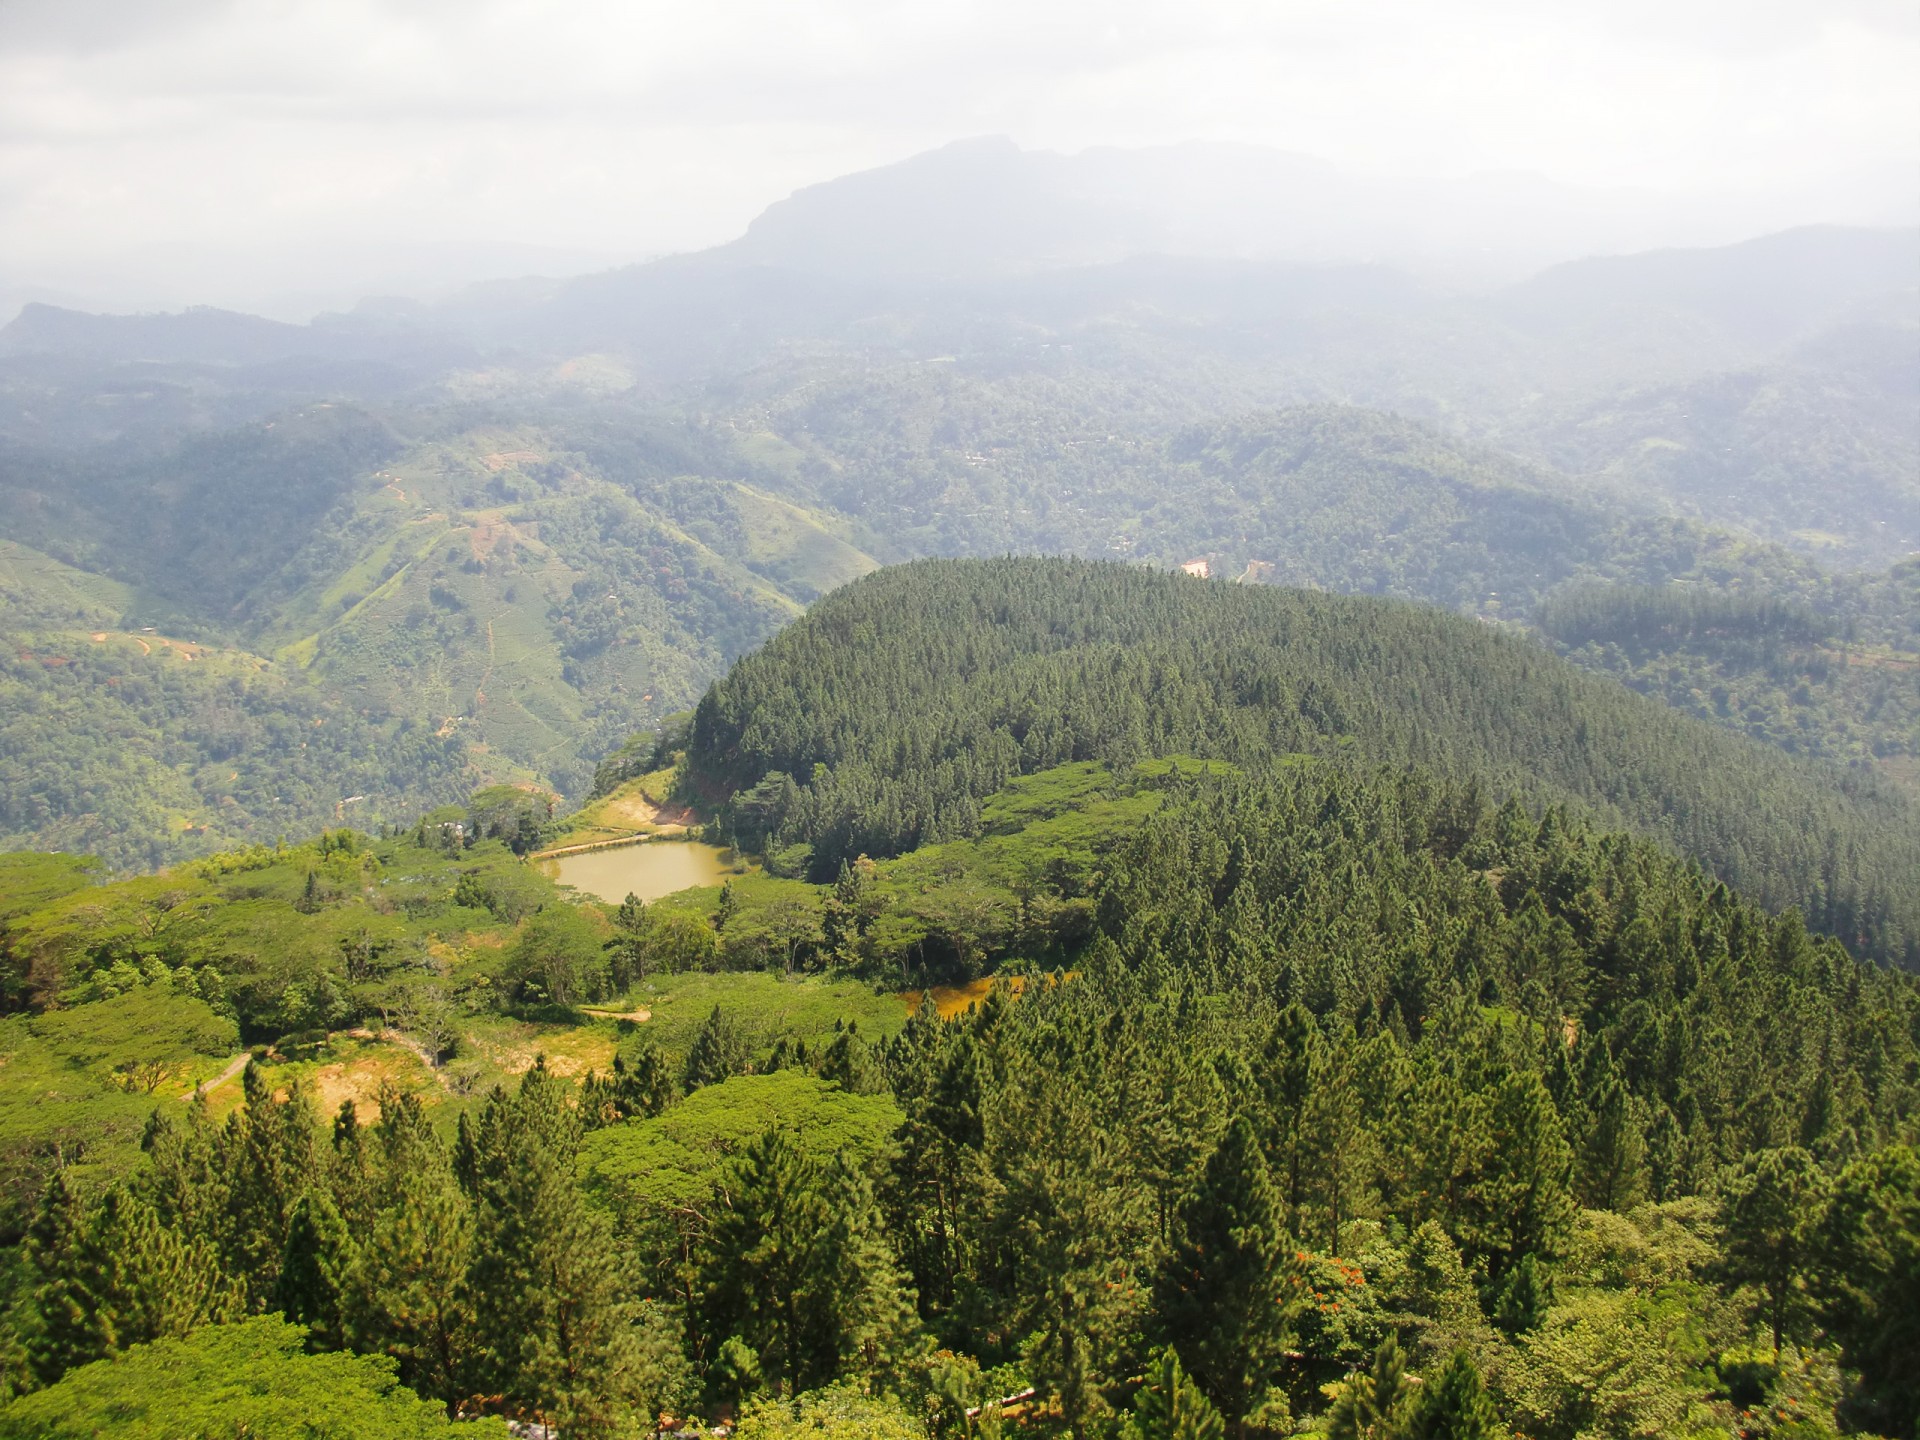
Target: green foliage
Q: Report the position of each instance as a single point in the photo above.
(559, 958)
(1169, 1406)
(840, 1412)
(249, 1378)
(1867, 1276)
(1453, 1406)
(511, 813)
(990, 670)
(140, 1039)
(1220, 1298)
(56, 1114)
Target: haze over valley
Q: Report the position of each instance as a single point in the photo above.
(489, 536)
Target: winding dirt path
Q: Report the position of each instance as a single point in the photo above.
(234, 1067)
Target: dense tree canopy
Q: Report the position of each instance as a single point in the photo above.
(883, 719)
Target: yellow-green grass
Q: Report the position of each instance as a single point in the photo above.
(494, 1049)
(769, 1005)
(345, 1068)
(800, 550)
(625, 813)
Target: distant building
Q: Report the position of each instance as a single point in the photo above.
(1199, 569)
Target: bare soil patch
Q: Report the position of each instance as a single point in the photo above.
(501, 459)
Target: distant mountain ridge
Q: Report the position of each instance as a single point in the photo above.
(985, 206)
(206, 335)
(527, 520)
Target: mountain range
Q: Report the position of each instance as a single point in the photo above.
(495, 533)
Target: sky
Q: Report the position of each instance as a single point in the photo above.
(287, 155)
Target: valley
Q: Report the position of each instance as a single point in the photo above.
(1051, 830)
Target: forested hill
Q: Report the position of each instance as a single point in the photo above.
(879, 721)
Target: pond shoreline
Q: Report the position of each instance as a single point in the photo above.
(647, 866)
(614, 844)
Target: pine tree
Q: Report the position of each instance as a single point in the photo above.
(547, 1293)
(1339, 1149)
(938, 1173)
(1373, 1405)
(1219, 1295)
(1523, 1297)
(1612, 1153)
(72, 1328)
(1867, 1277)
(799, 1269)
(1520, 1201)
(864, 1320)
(848, 1062)
(313, 1269)
(184, 1178)
(110, 1278)
(627, 955)
(760, 1266)
(407, 1294)
(1059, 1236)
(1169, 1406)
(270, 1157)
(350, 1178)
(1287, 1074)
(640, 1085)
(719, 1051)
(1454, 1406)
(1768, 1213)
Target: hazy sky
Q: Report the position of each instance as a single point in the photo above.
(160, 151)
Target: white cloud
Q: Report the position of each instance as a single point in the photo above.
(278, 129)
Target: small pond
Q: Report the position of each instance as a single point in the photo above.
(649, 870)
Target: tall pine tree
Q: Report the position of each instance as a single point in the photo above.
(555, 1329)
(1219, 1296)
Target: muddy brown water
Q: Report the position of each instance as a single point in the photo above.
(649, 870)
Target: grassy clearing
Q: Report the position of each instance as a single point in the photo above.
(1037, 828)
(638, 808)
(771, 1006)
(493, 1049)
(796, 548)
(753, 888)
(346, 1068)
